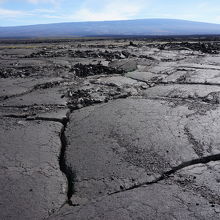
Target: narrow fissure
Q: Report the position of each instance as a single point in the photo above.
(36, 87)
(29, 118)
(203, 160)
(70, 175)
(65, 169)
(189, 83)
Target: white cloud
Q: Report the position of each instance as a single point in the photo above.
(12, 13)
(112, 10)
(53, 17)
(42, 1)
(6, 13)
(90, 10)
(55, 3)
(44, 10)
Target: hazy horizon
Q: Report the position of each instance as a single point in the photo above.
(30, 12)
(112, 21)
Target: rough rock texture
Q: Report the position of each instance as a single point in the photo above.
(32, 186)
(125, 143)
(110, 129)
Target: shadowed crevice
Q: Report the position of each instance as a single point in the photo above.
(68, 172)
(165, 175)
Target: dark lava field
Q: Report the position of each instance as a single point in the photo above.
(110, 129)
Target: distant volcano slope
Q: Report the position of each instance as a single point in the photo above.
(141, 27)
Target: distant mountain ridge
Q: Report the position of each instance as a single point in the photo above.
(141, 27)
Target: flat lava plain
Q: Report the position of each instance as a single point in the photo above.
(110, 129)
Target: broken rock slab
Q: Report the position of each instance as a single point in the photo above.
(144, 159)
(125, 65)
(31, 183)
(202, 179)
(197, 92)
(116, 80)
(126, 143)
(36, 113)
(147, 77)
(11, 87)
(50, 96)
(201, 76)
(162, 201)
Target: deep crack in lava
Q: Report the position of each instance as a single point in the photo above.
(63, 166)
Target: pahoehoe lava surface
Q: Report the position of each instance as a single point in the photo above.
(110, 129)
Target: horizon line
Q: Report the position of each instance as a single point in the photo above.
(110, 21)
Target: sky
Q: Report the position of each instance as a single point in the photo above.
(27, 12)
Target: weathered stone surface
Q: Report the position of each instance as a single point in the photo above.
(199, 92)
(10, 87)
(109, 129)
(51, 96)
(157, 201)
(126, 65)
(117, 80)
(124, 143)
(31, 183)
(202, 179)
(147, 77)
(163, 68)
